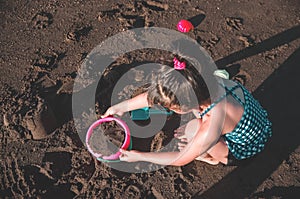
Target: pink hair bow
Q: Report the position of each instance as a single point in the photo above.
(179, 65)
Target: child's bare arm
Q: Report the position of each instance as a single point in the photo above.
(206, 137)
(195, 148)
(175, 158)
(137, 102)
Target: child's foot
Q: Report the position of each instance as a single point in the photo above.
(184, 139)
(204, 158)
(208, 159)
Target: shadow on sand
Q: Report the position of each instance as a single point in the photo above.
(277, 95)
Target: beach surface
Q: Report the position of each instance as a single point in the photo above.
(43, 46)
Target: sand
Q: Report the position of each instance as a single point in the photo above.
(43, 43)
(106, 142)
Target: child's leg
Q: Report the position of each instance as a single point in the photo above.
(218, 153)
(185, 134)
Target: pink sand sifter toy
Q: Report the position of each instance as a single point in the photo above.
(184, 26)
(127, 144)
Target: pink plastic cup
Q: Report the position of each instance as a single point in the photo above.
(126, 144)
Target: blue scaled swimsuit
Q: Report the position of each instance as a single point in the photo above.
(253, 130)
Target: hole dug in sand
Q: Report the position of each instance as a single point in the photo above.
(41, 121)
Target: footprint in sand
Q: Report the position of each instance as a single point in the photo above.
(248, 40)
(13, 179)
(132, 192)
(57, 163)
(67, 84)
(42, 20)
(46, 180)
(234, 23)
(77, 33)
(156, 6)
(156, 193)
(128, 18)
(46, 63)
(108, 14)
(157, 142)
(208, 40)
(133, 21)
(243, 77)
(41, 122)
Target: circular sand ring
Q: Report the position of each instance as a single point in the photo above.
(126, 144)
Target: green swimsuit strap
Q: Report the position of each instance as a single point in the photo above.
(234, 95)
(228, 91)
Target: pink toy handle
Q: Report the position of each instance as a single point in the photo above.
(126, 142)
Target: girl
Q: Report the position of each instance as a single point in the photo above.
(227, 125)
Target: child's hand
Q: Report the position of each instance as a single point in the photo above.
(180, 135)
(114, 110)
(130, 156)
(179, 132)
